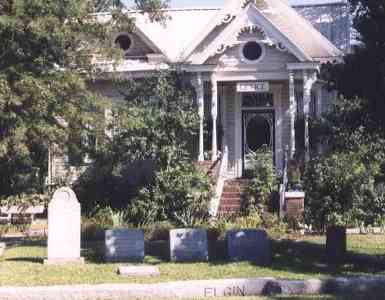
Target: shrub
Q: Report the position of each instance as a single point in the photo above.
(180, 195)
(256, 220)
(264, 182)
(159, 231)
(108, 218)
(342, 189)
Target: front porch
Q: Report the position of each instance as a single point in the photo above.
(247, 112)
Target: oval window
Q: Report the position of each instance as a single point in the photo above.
(124, 42)
(252, 51)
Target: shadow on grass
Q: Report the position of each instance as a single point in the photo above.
(309, 258)
(37, 260)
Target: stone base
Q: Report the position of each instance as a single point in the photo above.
(64, 261)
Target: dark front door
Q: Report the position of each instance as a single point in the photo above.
(258, 133)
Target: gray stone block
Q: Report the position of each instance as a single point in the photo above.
(138, 271)
(124, 245)
(250, 245)
(188, 245)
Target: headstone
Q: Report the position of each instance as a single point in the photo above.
(336, 244)
(188, 245)
(138, 271)
(64, 228)
(2, 249)
(250, 245)
(124, 245)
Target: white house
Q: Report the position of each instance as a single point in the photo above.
(254, 66)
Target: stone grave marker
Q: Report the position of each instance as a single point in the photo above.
(138, 271)
(124, 245)
(188, 245)
(250, 245)
(64, 228)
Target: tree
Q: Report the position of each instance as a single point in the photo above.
(362, 74)
(147, 165)
(45, 62)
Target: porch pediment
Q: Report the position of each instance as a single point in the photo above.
(272, 21)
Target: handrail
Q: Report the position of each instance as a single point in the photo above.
(284, 184)
(215, 201)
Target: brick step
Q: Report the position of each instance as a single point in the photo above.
(231, 200)
(228, 189)
(231, 195)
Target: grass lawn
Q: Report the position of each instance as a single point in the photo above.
(300, 259)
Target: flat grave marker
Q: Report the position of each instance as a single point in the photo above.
(138, 271)
(188, 245)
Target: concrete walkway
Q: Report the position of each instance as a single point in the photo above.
(195, 289)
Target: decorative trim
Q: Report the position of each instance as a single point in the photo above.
(252, 62)
(129, 35)
(228, 18)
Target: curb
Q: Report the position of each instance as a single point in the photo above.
(197, 289)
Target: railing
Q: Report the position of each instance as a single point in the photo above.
(220, 182)
(283, 186)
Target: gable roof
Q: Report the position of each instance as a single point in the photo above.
(280, 19)
(174, 36)
(186, 29)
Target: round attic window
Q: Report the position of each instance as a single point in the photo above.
(124, 42)
(252, 51)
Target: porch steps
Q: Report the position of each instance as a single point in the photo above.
(231, 199)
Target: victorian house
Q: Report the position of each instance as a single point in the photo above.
(254, 65)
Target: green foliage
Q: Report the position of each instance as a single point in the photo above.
(150, 152)
(258, 219)
(158, 231)
(26, 200)
(180, 195)
(363, 72)
(109, 218)
(45, 64)
(343, 188)
(263, 183)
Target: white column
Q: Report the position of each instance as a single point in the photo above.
(292, 112)
(200, 99)
(214, 115)
(308, 81)
(109, 120)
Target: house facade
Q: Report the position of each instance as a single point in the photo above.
(254, 65)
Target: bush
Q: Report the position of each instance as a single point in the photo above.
(342, 189)
(180, 195)
(108, 218)
(159, 231)
(256, 220)
(264, 182)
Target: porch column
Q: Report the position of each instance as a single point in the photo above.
(292, 112)
(214, 115)
(308, 80)
(200, 99)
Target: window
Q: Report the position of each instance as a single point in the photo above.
(257, 100)
(252, 51)
(124, 42)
